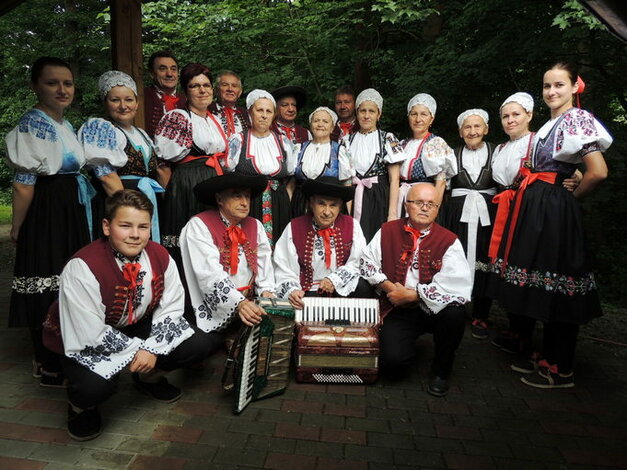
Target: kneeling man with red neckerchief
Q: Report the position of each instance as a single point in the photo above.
(226, 253)
(318, 253)
(422, 271)
(121, 304)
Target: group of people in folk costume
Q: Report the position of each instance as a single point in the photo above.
(244, 202)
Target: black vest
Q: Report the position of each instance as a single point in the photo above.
(463, 180)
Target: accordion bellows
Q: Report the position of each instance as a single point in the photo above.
(341, 345)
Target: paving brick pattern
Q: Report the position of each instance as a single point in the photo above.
(489, 420)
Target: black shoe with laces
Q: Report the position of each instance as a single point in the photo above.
(161, 390)
(85, 425)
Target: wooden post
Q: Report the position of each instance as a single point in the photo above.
(126, 45)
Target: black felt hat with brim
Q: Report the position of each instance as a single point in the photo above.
(298, 92)
(328, 186)
(205, 191)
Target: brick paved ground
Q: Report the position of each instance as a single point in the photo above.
(489, 420)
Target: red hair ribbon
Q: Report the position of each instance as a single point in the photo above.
(580, 89)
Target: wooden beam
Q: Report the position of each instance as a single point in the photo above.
(126, 45)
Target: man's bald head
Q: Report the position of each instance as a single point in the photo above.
(421, 205)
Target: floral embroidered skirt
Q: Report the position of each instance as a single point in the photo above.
(547, 276)
(54, 229)
(449, 217)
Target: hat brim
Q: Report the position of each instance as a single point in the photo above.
(206, 191)
(298, 92)
(321, 188)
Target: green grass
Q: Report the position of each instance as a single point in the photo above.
(5, 214)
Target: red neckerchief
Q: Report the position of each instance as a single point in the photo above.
(230, 120)
(130, 272)
(290, 132)
(346, 127)
(326, 235)
(236, 237)
(169, 101)
(415, 234)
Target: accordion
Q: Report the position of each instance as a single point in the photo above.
(337, 340)
(260, 358)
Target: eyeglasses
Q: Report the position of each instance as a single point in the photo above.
(429, 205)
(198, 86)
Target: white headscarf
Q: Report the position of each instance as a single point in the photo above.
(258, 94)
(424, 99)
(522, 98)
(472, 112)
(370, 94)
(328, 110)
(114, 78)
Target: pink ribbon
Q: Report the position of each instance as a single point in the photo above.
(360, 184)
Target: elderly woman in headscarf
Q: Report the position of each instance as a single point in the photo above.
(120, 154)
(429, 159)
(470, 211)
(376, 157)
(261, 151)
(320, 157)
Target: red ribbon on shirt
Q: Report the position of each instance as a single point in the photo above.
(346, 127)
(236, 238)
(169, 101)
(326, 234)
(130, 271)
(230, 120)
(415, 234)
(290, 132)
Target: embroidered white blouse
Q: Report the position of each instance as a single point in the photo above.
(213, 291)
(365, 149)
(287, 269)
(102, 348)
(451, 284)
(179, 129)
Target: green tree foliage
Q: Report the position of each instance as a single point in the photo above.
(465, 53)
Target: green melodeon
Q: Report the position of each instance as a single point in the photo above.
(260, 358)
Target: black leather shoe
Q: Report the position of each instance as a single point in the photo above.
(85, 425)
(438, 387)
(161, 390)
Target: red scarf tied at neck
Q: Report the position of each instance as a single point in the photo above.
(130, 272)
(415, 234)
(326, 235)
(169, 101)
(236, 237)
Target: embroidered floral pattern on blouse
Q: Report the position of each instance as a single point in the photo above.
(167, 330)
(35, 285)
(217, 295)
(32, 122)
(170, 241)
(176, 127)
(550, 282)
(113, 342)
(103, 170)
(25, 178)
(575, 121)
(369, 270)
(99, 133)
(431, 292)
(285, 288)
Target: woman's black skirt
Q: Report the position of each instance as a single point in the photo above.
(449, 216)
(55, 228)
(374, 207)
(548, 276)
